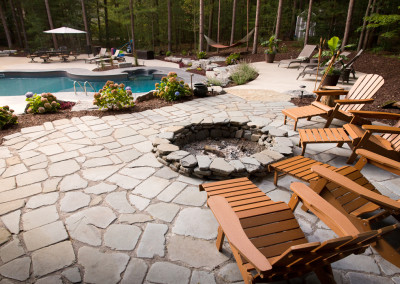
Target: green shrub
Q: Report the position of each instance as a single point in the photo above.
(184, 52)
(7, 117)
(214, 82)
(168, 53)
(170, 89)
(46, 102)
(232, 58)
(244, 73)
(201, 55)
(199, 69)
(114, 96)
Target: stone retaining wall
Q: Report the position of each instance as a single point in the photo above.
(167, 147)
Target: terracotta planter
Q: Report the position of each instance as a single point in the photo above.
(331, 80)
(269, 58)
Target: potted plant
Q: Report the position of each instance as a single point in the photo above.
(272, 48)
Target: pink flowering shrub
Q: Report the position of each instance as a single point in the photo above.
(7, 117)
(46, 102)
(171, 89)
(114, 96)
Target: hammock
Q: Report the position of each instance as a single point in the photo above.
(217, 45)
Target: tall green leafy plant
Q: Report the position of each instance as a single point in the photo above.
(46, 102)
(271, 44)
(172, 89)
(114, 96)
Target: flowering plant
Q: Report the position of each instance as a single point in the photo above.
(171, 89)
(113, 96)
(7, 117)
(46, 102)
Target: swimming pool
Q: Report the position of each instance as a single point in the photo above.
(19, 86)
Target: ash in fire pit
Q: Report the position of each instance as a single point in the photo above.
(222, 148)
(229, 148)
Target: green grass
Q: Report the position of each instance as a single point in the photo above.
(244, 73)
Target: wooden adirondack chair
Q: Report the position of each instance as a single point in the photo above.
(363, 205)
(266, 240)
(360, 94)
(387, 144)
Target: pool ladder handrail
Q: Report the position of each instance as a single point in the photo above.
(79, 85)
(84, 85)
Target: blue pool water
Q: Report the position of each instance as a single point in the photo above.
(19, 86)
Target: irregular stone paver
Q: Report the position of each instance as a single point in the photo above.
(138, 172)
(197, 253)
(153, 241)
(124, 181)
(51, 149)
(102, 267)
(101, 188)
(31, 177)
(118, 201)
(17, 269)
(73, 201)
(42, 200)
(134, 218)
(151, 187)
(11, 250)
(356, 278)
(128, 155)
(39, 217)
(220, 166)
(122, 237)
(72, 274)
(191, 196)
(163, 211)
(99, 173)
(171, 191)
(357, 263)
(165, 272)
(11, 206)
(64, 168)
(56, 279)
(52, 258)
(4, 235)
(15, 170)
(12, 221)
(72, 182)
(97, 162)
(166, 173)
(196, 222)
(230, 273)
(7, 183)
(135, 272)
(124, 132)
(139, 202)
(45, 235)
(147, 160)
(202, 277)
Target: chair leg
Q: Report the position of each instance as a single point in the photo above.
(352, 157)
(340, 144)
(295, 125)
(220, 238)
(303, 146)
(276, 176)
(325, 274)
(285, 120)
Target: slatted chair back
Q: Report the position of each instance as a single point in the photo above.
(364, 88)
(394, 139)
(307, 51)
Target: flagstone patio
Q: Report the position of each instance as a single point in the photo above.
(86, 200)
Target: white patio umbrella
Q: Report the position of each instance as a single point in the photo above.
(64, 30)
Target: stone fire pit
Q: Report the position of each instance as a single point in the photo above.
(167, 147)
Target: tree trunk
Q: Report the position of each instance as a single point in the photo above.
(278, 19)
(85, 23)
(133, 24)
(46, 2)
(256, 27)
(360, 41)
(348, 22)
(106, 24)
(22, 23)
(18, 31)
(247, 23)
(219, 21)
(308, 22)
(201, 26)
(293, 20)
(210, 23)
(367, 34)
(6, 30)
(156, 26)
(169, 26)
(233, 21)
(98, 21)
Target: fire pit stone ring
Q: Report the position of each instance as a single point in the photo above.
(167, 147)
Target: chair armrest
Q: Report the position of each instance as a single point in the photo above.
(233, 230)
(340, 180)
(375, 114)
(350, 102)
(331, 92)
(378, 159)
(382, 129)
(332, 217)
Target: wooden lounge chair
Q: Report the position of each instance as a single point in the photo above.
(304, 56)
(360, 94)
(387, 144)
(266, 240)
(363, 205)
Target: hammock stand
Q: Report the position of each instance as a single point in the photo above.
(212, 43)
